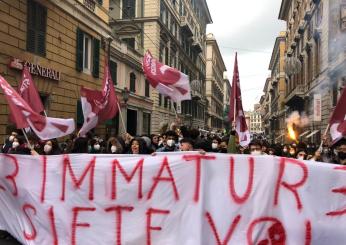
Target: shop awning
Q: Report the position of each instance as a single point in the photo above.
(312, 134)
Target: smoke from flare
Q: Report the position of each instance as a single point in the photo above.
(298, 120)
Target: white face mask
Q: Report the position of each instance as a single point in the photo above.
(15, 144)
(11, 138)
(113, 149)
(256, 153)
(214, 146)
(160, 142)
(170, 143)
(97, 147)
(180, 138)
(300, 158)
(47, 148)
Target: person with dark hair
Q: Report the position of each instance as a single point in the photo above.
(19, 146)
(341, 152)
(51, 147)
(80, 145)
(215, 143)
(171, 139)
(154, 141)
(137, 146)
(301, 154)
(8, 142)
(186, 144)
(256, 148)
(94, 146)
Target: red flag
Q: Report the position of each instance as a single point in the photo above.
(28, 91)
(167, 80)
(98, 106)
(236, 112)
(338, 120)
(24, 116)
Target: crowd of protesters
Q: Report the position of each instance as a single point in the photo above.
(172, 140)
(175, 139)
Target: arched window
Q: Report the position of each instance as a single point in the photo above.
(132, 82)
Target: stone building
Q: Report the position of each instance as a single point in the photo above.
(215, 84)
(316, 54)
(174, 32)
(68, 39)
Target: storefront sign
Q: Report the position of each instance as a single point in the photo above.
(317, 108)
(35, 69)
(171, 199)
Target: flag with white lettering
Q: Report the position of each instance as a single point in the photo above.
(24, 116)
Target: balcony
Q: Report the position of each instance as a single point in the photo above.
(186, 25)
(308, 16)
(197, 46)
(295, 96)
(90, 4)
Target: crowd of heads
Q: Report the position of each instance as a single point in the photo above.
(172, 140)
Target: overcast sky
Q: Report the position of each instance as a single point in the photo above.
(250, 28)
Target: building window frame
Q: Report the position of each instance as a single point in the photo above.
(132, 82)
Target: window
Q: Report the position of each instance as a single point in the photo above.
(132, 82)
(160, 100)
(146, 123)
(130, 42)
(165, 103)
(129, 9)
(113, 67)
(317, 56)
(80, 117)
(88, 53)
(147, 89)
(36, 28)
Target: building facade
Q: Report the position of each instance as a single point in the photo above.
(316, 60)
(174, 32)
(64, 43)
(226, 102)
(215, 84)
(277, 90)
(265, 103)
(254, 120)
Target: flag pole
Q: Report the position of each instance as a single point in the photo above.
(324, 135)
(121, 118)
(27, 140)
(175, 111)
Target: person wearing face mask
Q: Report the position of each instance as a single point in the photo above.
(171, 139)
(301, 155)
(19, 146)
(94, 147)
(285, 151)
(8, 142)
(256, 148)
(292, 152)
(114, 146)
(341, 152)
(215, 144)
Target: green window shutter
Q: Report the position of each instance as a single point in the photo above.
(31, 32)
(79, 51)
(96, 58)
(113, 67)
(41, 23)
(80, 117)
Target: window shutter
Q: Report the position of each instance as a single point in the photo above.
(113, 66)
(96, 58)
(79, 51)
(31, 33)
(99, 2)
(41, 22)
(80, 117)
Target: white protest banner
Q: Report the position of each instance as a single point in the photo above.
(174, 199)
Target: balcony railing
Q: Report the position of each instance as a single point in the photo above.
(299, 91)
(90, 4)
(186, 25)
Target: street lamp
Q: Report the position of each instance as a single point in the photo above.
(125, 94)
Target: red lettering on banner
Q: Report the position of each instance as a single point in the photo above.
(159, 177)
(77, 182)
(44, 178)
(52, 225)
(150, 212)
(128, 178)
(229, 232)
(33, 234)
(236, 198)
(339, 212)
(75, 211)
(276, 232)
(343, 168)
(118, 211)
(308, 233)
(197, 159)
(12, 177)
(291, 187)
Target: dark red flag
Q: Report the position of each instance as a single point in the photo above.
(236, 113)
(338, 120)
